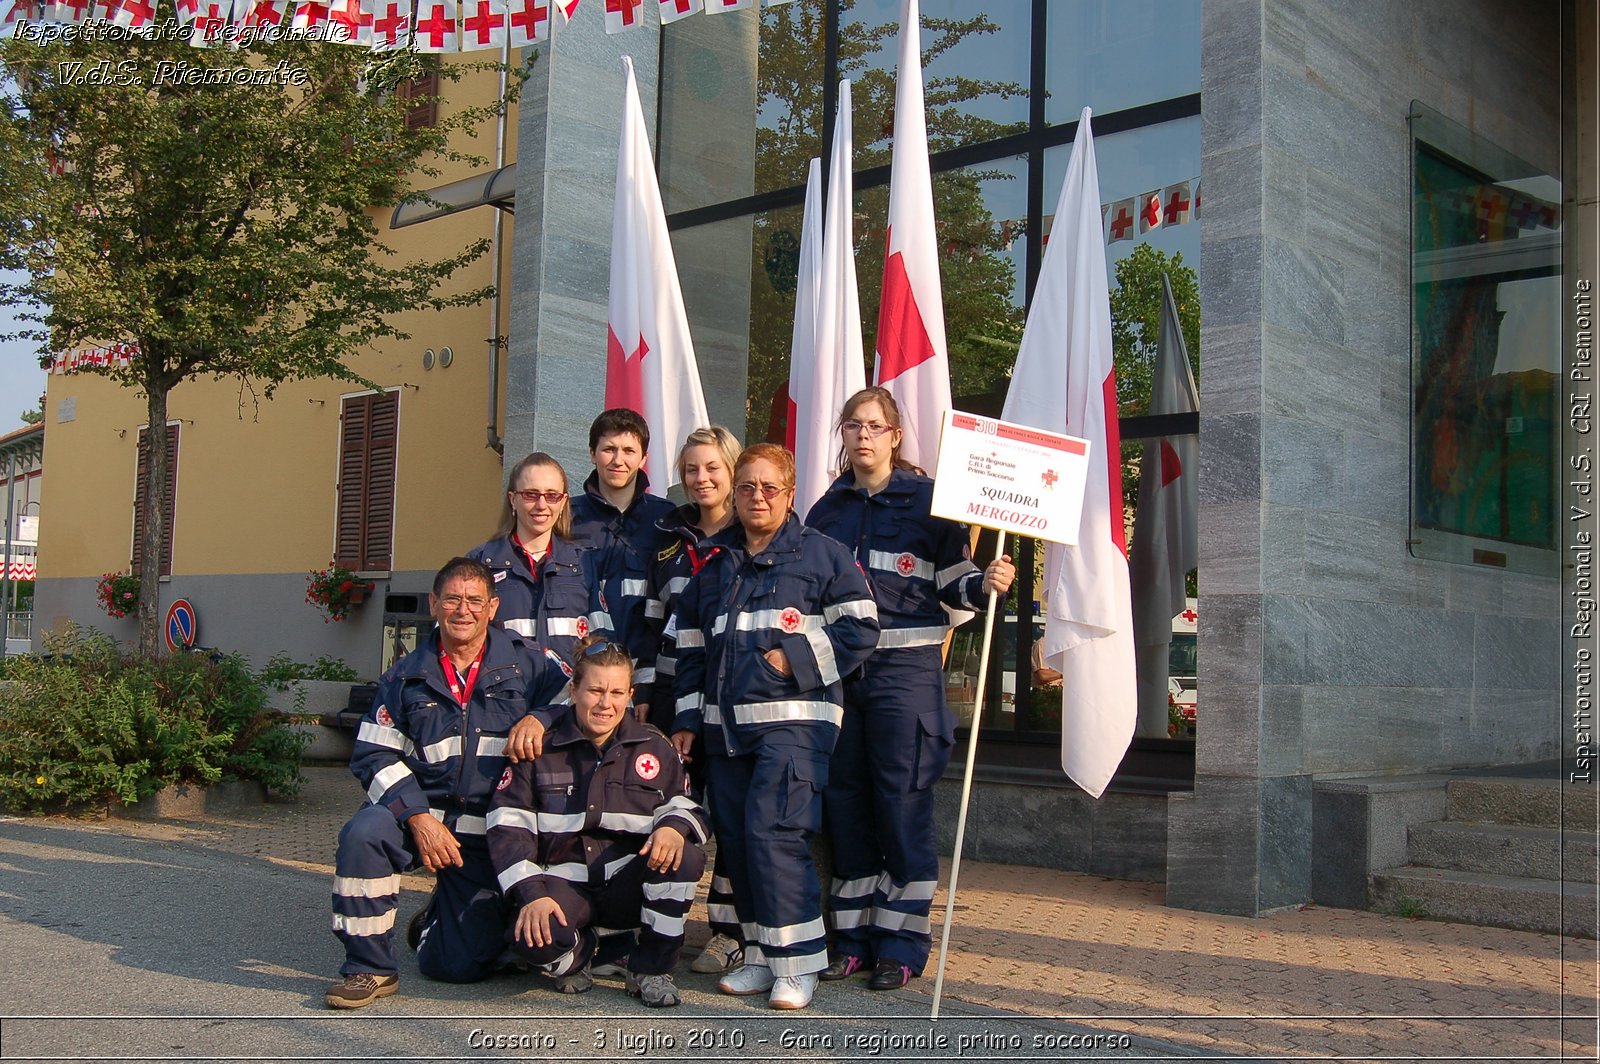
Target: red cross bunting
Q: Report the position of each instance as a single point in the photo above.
(435, 27)
(527, 15)
(1121, 223)
(210, 24)
(306, 15)
(681, 5)
(1152, 211)
(628, 9)
(1177, 207)
(483, 23)
(387, 27)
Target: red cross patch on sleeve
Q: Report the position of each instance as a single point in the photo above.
(789, 620)
(647, 766)
(383, 718)
(505, 780)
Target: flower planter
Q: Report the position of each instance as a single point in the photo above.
(189, 801)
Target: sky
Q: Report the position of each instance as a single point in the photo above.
(21, 379)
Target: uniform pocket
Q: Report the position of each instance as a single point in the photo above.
(800, 805)
(935, 737)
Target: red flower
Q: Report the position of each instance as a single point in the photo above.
(346, 586)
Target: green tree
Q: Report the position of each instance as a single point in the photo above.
(224, 229)
(32, 417)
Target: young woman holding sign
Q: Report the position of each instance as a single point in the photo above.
(897, 732)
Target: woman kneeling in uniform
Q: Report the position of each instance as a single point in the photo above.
(599, 831)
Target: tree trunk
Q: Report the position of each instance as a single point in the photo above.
(153, 521)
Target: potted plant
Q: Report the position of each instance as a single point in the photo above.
(335, 590)
(118, 594)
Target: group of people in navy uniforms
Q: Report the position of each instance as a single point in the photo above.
(522, 753)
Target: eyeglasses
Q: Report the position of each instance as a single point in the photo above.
(594, 649)
(870, 429)
(549, 498)
(768, 491)
(474, 605)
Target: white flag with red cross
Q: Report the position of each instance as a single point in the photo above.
(1150, 211)
(1175, 203)
(673, 10)
(650, 363)
(624, 15)
(527, 21)
(436, 26)
(1064, 382)
(913, 362)
(716, 7)
(803, 337)
(1122, 220)
(207, 23)
(351, 21)
(263, 14)
(838, 366)
(391, 25)
(137, 15)
(1165, 527)
(483, 25)
(566, 7)
(309, 15)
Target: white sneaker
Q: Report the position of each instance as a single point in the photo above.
(747, 979)
(720, 955)
(793, 991)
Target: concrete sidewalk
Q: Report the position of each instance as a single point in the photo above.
(1108, 955)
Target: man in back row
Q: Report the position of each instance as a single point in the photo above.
(616, 517)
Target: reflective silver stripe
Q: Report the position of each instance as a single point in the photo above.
(682, 807)
(509, 816)
(600, 619)
(655, 609)
(721, 914)
(443, 750)
(471, 825)
(691, 637)
(669, 891)
(666, 666)
(675, 586)
(519, 625)
(613, 867)
(645, 675)
(804, 964)
(636, 588)
(385, 779)
(710, 715)
(950, 574)
(791, 933)
(688, 702)
(822, 650)
(378, 735)
(851, 918)
(892, 638)
(562, 626)
(916, 890)
(721, 885)
(572, 872)
(889, 920)
(661, 923)
(515, 874)
(890, 563)
(859, 608)
(363, 925)
(491, 745)
(756, 620)
(554, 823)
(355, 887)
(718, 626)
(632, 823)
(564, 964)
(752, 950)
(772, 712)
(854, 888)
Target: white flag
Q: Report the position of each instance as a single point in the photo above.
(483, 25)
(913, 362)
(650, 365)
(803, 338)
(1165, 541)
(207, 23)
(529, 21)
(838, 366)
(715, 6)
(623, 15)
(673, 10)
(436, 26)
(1064, 382)
(391, 25)
(352, 20)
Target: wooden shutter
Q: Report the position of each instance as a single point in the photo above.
(425, 113)
(364, 523)
(170, 514)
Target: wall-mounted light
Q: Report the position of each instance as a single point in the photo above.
(427, 359)
(413, 387)
(318, 402)
(446, 356)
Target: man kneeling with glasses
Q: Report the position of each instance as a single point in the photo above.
(596, 833)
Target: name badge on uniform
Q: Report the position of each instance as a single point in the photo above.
(500, 574)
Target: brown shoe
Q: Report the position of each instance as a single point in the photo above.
(360, 989)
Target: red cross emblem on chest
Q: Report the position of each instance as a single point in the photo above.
(583, 627)
(789, 620)
(646, 766)
(905, 565)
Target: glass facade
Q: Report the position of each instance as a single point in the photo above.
(744, 107)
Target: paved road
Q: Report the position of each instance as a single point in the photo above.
(118, 947)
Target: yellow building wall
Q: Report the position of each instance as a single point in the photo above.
(257, 481)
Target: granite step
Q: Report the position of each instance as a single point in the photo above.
(1544, 803)
(1515, 902)
(1505, 850)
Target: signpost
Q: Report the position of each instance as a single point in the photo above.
(1011, 478)
(181, 626)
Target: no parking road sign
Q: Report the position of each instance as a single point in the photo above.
(180, 627)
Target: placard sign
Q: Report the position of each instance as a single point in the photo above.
(1012, 477)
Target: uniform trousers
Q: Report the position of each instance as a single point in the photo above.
(765, 806)
(464, 932)
(635, 895)
(893, 746)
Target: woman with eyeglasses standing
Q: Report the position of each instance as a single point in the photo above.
(766, 630)
(897, 732)
(548, 592)
(705, 466)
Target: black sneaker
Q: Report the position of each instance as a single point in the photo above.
(414, 927)
(889, 975)
(841, 966)
(360, 989)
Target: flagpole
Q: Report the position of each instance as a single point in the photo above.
(966, 788)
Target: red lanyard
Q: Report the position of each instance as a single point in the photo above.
(698, 562)
(533, 564)
(462, 689)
